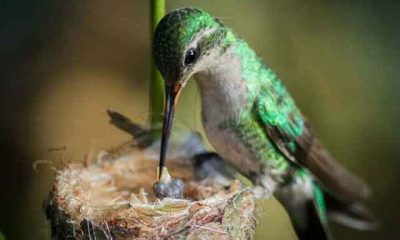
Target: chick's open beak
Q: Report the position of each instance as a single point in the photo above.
(172, 93)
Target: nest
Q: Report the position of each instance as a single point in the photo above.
(112, 197)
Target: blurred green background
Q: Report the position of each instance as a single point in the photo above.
(63, 62)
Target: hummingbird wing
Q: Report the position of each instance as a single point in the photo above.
(285, 126)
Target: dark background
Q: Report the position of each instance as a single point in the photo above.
(63, 62)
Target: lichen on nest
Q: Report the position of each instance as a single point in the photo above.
(112, 198)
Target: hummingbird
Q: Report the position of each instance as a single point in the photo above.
(253, 123)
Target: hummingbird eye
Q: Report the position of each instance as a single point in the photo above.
(191, 56)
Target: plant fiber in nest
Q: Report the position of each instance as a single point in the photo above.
(112, 198)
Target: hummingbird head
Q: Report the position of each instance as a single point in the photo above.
(184, 42)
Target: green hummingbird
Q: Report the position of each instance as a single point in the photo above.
(254, 124)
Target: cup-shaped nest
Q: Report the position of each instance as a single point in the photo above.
(112, 197)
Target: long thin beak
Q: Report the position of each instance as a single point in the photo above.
(171, 99)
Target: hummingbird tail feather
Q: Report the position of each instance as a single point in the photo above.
(309, 208)
(344, 193)
(353, 214)
(304, 203)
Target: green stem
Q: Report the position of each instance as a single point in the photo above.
(156, 82)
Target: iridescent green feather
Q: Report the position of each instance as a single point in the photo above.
(317, 193)
(320, 203)
(269, 105)
(273, 105)
(253, 137)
